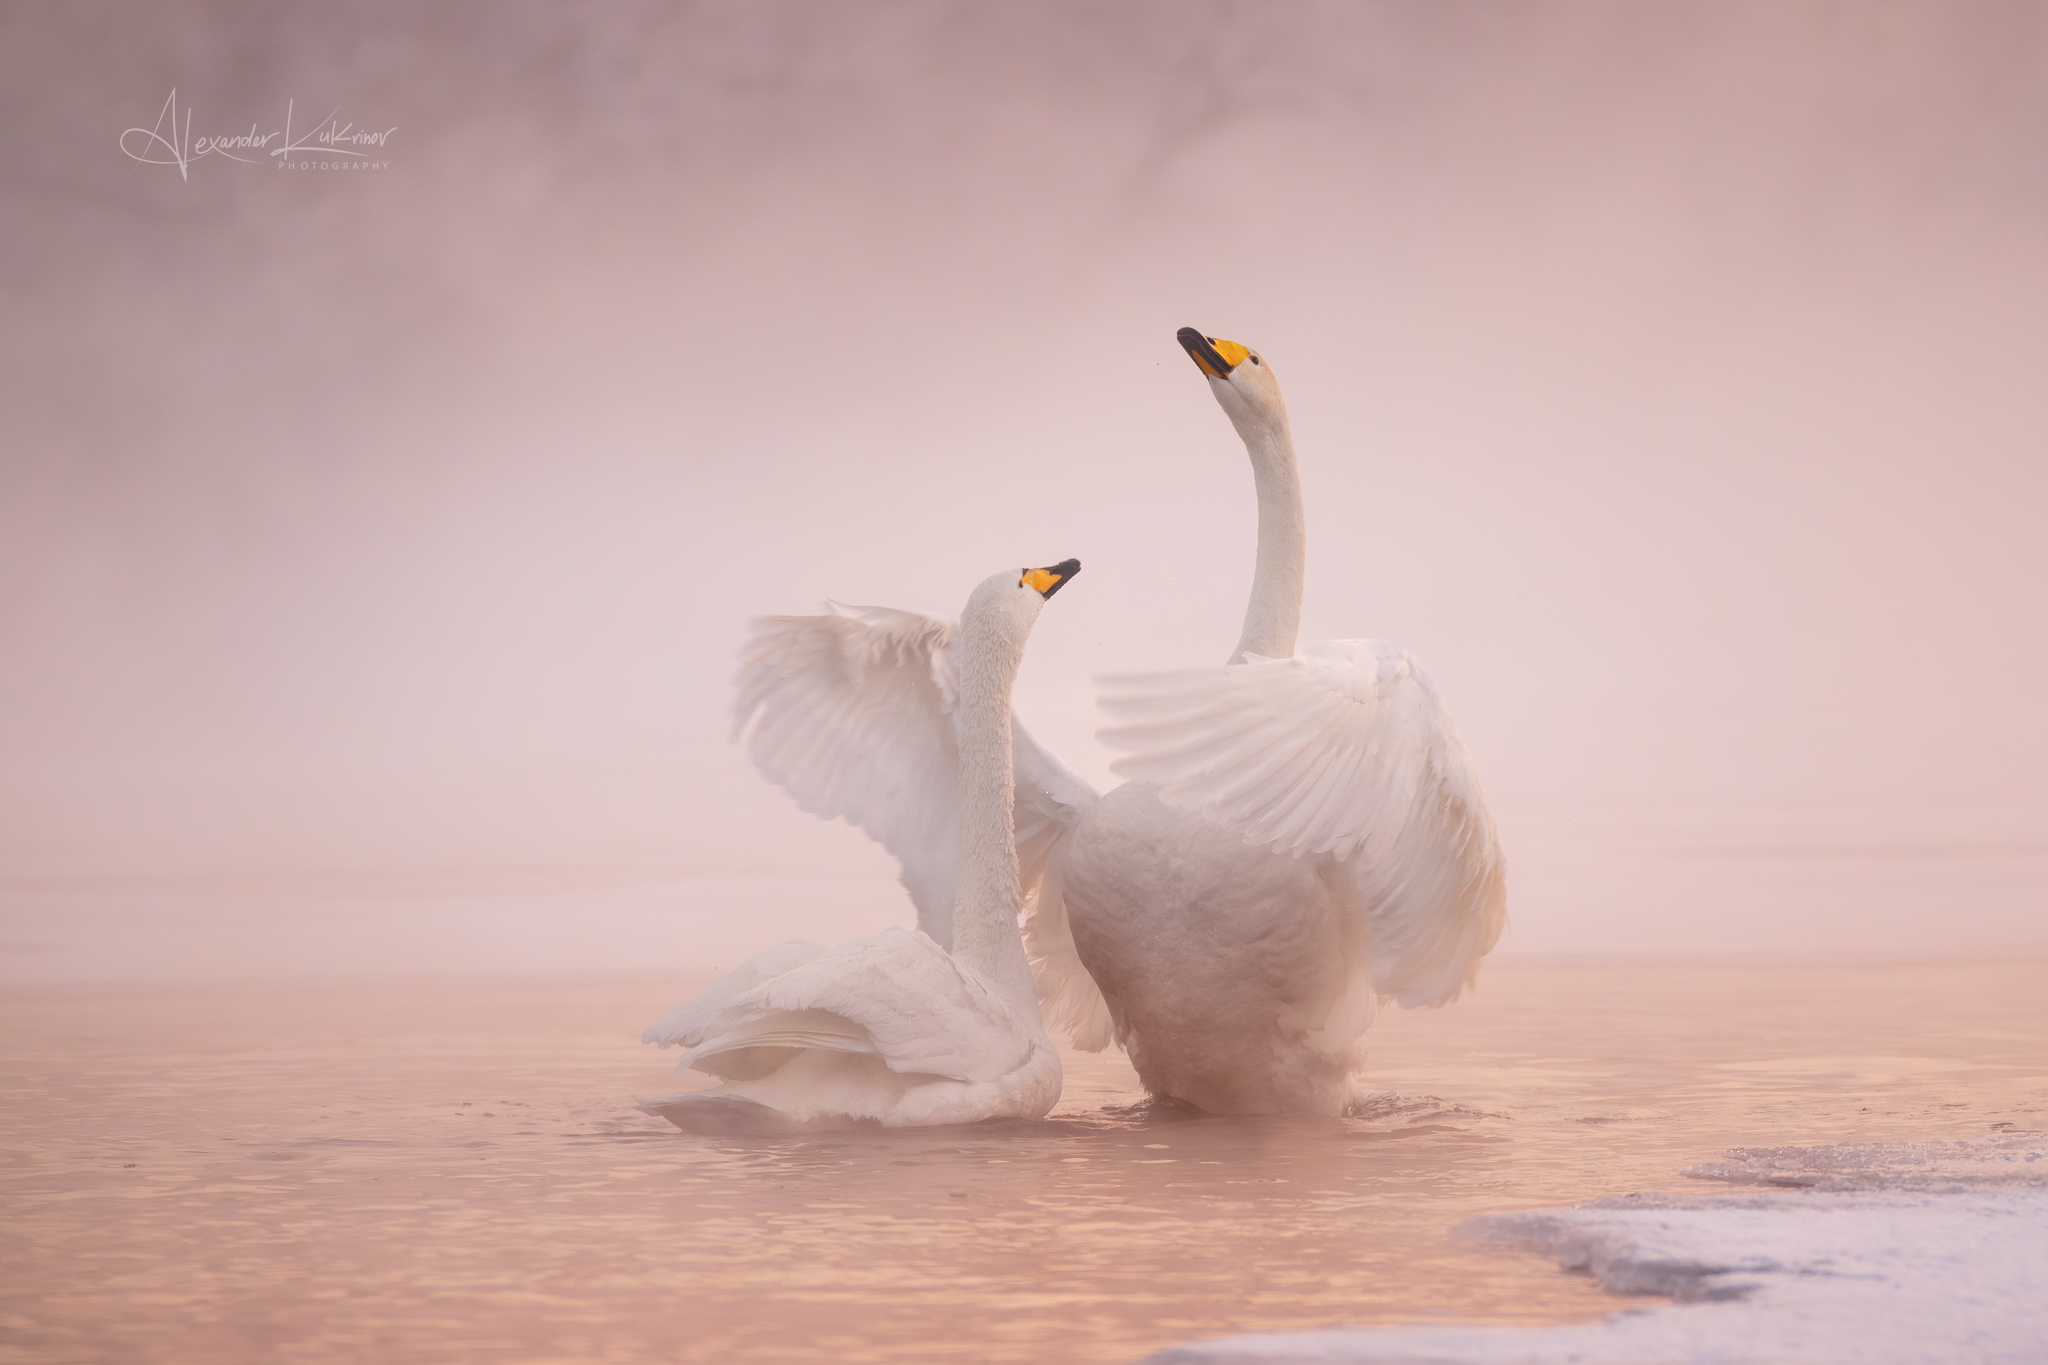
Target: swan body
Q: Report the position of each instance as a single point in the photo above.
(1304, 838)
(892, 1029)
(1212, 999)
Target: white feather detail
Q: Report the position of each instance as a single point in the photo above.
(1344, 750)
(851, 714)
(1071, 1000)
(896, 995)
(1050, 797)
(889, 1029)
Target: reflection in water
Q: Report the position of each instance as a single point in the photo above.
(437, 1170)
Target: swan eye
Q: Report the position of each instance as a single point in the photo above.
(1255, 360)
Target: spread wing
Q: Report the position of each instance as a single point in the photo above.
(1344, 751)
(852, 714)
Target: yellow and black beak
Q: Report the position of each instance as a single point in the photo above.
(1050, 581)
(1216, 356)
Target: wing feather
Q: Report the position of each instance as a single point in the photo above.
(1347, 752)
(852, 714)
(896, 995)
(1050, 797)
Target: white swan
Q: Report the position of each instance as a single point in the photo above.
(890, 1029)
(1305, 837)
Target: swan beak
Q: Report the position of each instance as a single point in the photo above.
(1216, 356)
(1050, 581)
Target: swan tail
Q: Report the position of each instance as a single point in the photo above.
(755, 1043)
(896, 997)
(697, 1018)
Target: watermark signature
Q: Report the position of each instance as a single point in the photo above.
(329, 145)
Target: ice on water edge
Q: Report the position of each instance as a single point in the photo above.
(1879, 1253)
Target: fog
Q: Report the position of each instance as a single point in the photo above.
(375, 546)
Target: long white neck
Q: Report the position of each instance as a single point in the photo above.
(1273, 616)
(988, 895)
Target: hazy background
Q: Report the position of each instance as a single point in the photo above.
(374, 548)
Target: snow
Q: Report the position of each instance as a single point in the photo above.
(1884, 1252)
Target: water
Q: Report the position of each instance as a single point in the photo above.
(423, 1169)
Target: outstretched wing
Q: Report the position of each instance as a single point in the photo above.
(1346, 751)
(852, 714)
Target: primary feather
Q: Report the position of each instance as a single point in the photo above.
(851, 714)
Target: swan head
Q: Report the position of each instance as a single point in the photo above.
(1241, 380)
(1009, 602)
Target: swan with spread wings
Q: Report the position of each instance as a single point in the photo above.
(1302, 839)
(901, 1028)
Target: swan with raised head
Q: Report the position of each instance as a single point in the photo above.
(1303, 839)
(892, 1029)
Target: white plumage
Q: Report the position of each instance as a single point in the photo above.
(902, 725)
(1303, 837)
(852, 713)
(896, 1031)
(1345, 750)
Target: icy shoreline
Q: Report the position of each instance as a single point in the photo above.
(1885, 1252)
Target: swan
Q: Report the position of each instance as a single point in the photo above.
(1303, 838)
(892, 1029)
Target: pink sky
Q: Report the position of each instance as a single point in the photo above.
(1668, 380)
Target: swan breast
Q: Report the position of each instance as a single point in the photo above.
(1220, 961)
